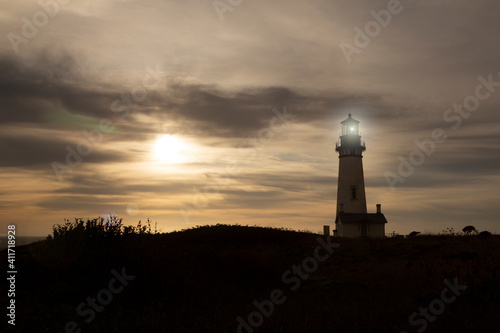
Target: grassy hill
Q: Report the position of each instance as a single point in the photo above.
(212, 279)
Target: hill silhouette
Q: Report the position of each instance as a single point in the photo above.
(212, 278)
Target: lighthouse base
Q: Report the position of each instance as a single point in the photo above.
(359, 225)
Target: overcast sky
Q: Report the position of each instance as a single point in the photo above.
(251, 94)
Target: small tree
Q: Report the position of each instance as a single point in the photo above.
(469, 229)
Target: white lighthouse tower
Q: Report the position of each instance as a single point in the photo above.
(352, 219)
(351, 182)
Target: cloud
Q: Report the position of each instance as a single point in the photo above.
(34, 152)
(51, 88)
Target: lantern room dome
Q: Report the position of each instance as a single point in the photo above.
(349, 120)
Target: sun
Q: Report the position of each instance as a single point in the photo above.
(169, 149)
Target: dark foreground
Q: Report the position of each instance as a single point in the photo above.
(249, 279)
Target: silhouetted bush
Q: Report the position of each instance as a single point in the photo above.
(96, 229)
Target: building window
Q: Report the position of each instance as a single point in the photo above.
(354, 192)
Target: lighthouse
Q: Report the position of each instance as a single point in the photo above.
(352, 219)
(351, 183)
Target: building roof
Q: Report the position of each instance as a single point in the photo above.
(349, 120)
(346, 218)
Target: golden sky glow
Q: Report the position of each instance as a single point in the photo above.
(163, 110)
